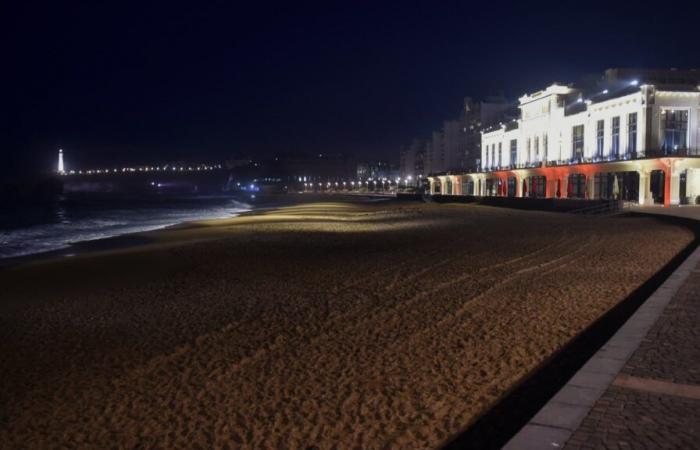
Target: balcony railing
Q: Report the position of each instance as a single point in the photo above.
(627, 156)
(682, 152)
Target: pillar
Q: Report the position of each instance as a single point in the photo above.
(644, 186)
(564, 186)
(590, 186)
(518, 186)
(675, 186)
(667, 187)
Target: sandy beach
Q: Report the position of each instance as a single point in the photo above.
(322, 325)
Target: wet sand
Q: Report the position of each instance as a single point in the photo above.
(329, 324)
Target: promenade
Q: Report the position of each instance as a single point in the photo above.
(642, 388)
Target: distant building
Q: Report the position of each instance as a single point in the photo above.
(290, 171)
(615, 77)
(303, 167)
(376, 170)
(411, 164)
(456, 146)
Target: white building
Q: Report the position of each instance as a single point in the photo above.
(636, 139)
(60, 168)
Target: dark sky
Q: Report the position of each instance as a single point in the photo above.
(138, 82)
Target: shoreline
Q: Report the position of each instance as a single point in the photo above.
(136, 239)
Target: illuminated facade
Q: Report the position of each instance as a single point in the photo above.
(636, 140)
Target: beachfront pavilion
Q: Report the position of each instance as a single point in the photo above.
(635, 140)
(667, 181)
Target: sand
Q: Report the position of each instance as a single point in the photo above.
(328, 325)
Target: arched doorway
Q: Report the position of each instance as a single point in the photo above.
(511, 187)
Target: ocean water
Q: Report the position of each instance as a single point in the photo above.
(53, 225)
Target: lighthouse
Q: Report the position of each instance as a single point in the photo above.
(60, 161)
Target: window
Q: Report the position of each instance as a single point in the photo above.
(577, 142)
(486, 159)
(675, 127)
(632, 134)
(537, 148)
(615, 149)
(600, 138)
(500, 161)
(493, 155)
(513, 152)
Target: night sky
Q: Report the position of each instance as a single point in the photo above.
(115, 82)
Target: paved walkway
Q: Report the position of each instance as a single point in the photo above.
(642, 389)
(654, 402)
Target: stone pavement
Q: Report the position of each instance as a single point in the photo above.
(642, 388)
(655, 400)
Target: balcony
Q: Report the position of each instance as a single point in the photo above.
(627, 156)
(673, 152)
